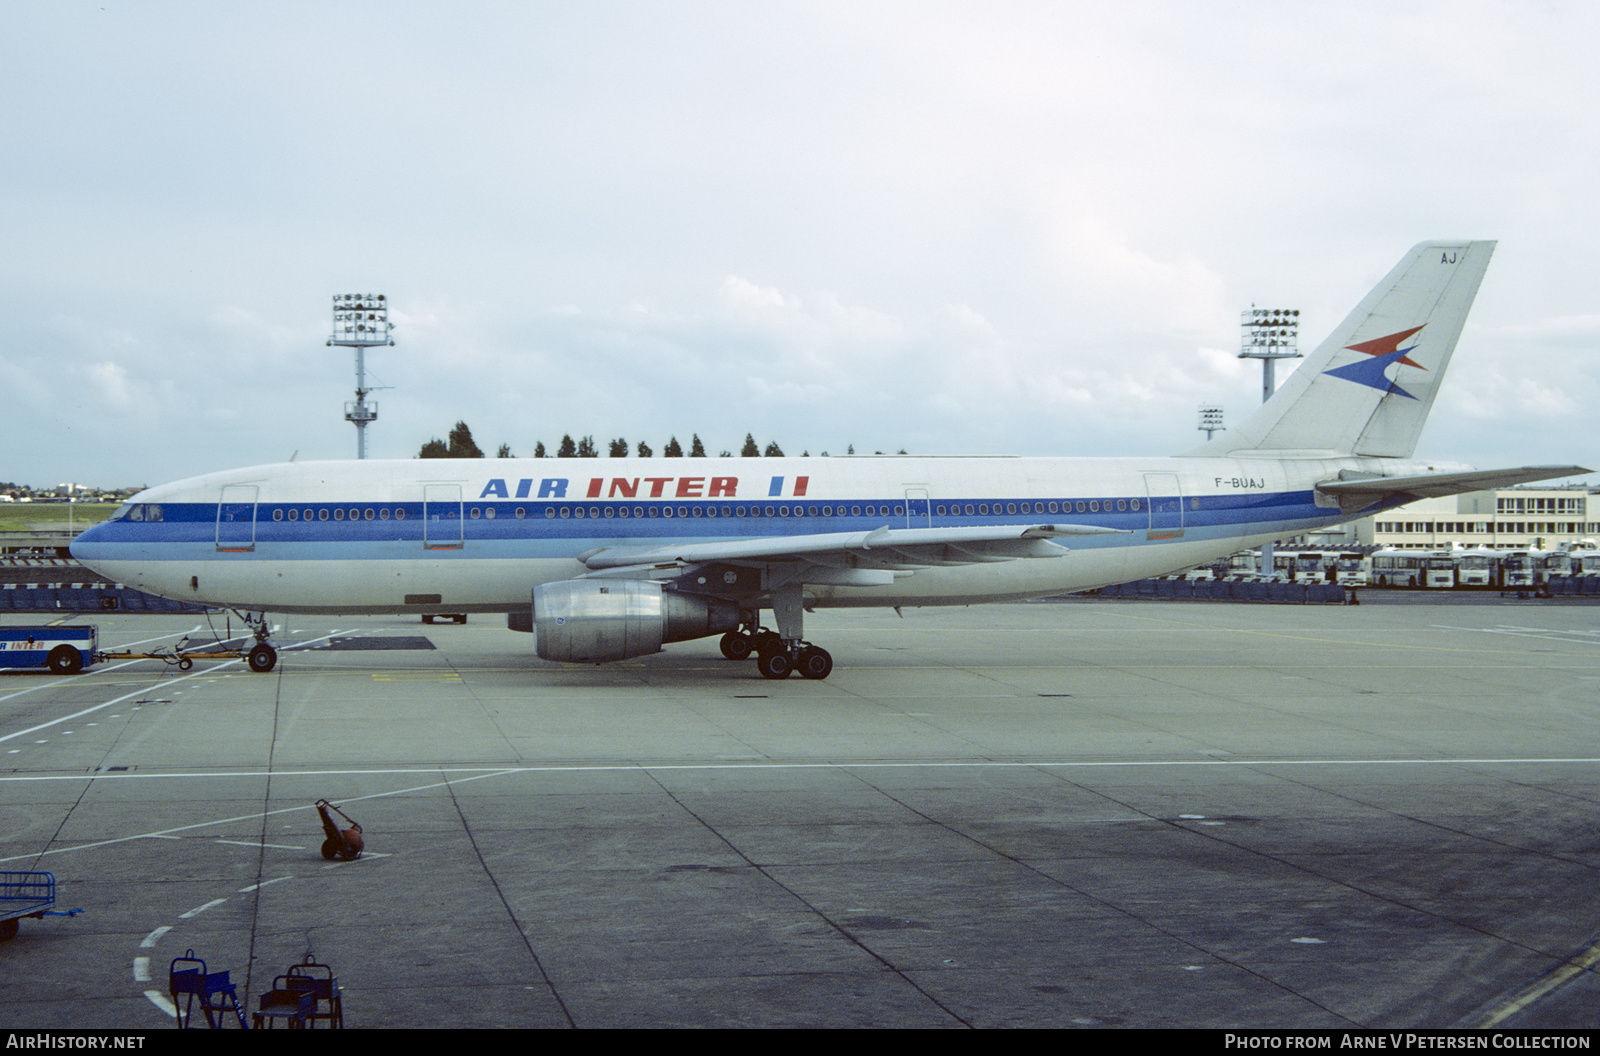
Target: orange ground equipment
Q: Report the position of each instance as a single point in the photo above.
(343, 844)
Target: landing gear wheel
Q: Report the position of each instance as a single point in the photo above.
(736, 646)
(814, 662)
(65, 660)
(774, 664)
(262, 658)
(762, 641)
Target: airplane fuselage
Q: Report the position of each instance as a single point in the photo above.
(477, 535)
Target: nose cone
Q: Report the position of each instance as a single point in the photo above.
(89, 545)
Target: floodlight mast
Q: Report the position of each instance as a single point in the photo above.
(1211, 419)
(1270, 334)
(361, 320)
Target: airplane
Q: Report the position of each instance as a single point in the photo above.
(605, 560)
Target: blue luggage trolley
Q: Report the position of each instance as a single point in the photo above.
(27, 895)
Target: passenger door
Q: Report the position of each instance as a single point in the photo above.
(1165, 496)
(236, 518)
(441, 517)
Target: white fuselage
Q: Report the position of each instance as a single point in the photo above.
(477, 535)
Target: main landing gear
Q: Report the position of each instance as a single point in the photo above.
(781, 652)
(776, 658)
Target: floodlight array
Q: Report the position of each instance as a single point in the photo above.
(361, 319)
(1269, 333)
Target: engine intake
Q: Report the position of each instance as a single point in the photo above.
(592, 621)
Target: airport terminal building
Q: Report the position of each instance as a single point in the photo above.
(1507, 518)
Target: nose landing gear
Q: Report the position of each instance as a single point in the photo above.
(262, 657)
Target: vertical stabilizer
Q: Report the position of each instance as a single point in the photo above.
(1367, 389)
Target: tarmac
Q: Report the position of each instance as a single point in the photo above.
(1073, 814)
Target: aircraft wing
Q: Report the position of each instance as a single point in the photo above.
(1357, 493)
(846, 557)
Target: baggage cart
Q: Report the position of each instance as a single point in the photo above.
(27, 894)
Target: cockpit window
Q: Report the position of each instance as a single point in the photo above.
(137, 511)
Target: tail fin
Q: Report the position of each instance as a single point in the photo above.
(1368, 388)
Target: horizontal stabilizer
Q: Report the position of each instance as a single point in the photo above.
(1356, 494)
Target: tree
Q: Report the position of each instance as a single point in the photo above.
(568, 449)
(538, 450)
(618, 448)
(673, 449)
(461, 443)
(459, 446)
(586, 448)
(749, 450)
(644, 450)
(773, 450)
(504, 452)
(696, 448)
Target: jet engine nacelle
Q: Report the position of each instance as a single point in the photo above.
(587, 621)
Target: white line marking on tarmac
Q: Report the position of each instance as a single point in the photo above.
(1526, 632)
(481, 773)
(141, 969)
(160, 1001)
(264, 883)
(135, 693)
(155, 936)
(197, 910)
(101, 671)
(257, 843)
(167, 834)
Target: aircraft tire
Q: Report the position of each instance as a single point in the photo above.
(64, 660)
(774, 665)
(262, 658)
(736, 646)
(815, 663)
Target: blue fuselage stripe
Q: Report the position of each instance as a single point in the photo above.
(561, 529)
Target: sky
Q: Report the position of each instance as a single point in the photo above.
(949, 228)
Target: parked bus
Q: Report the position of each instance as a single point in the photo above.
(1477, 567)
(1306, 566)
(1351, 567)
(1517, 569)
(1585, 561)
(1427, 569)
(1553, 563)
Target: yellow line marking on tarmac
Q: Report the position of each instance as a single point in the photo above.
(415, 676)
(1552, 982)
